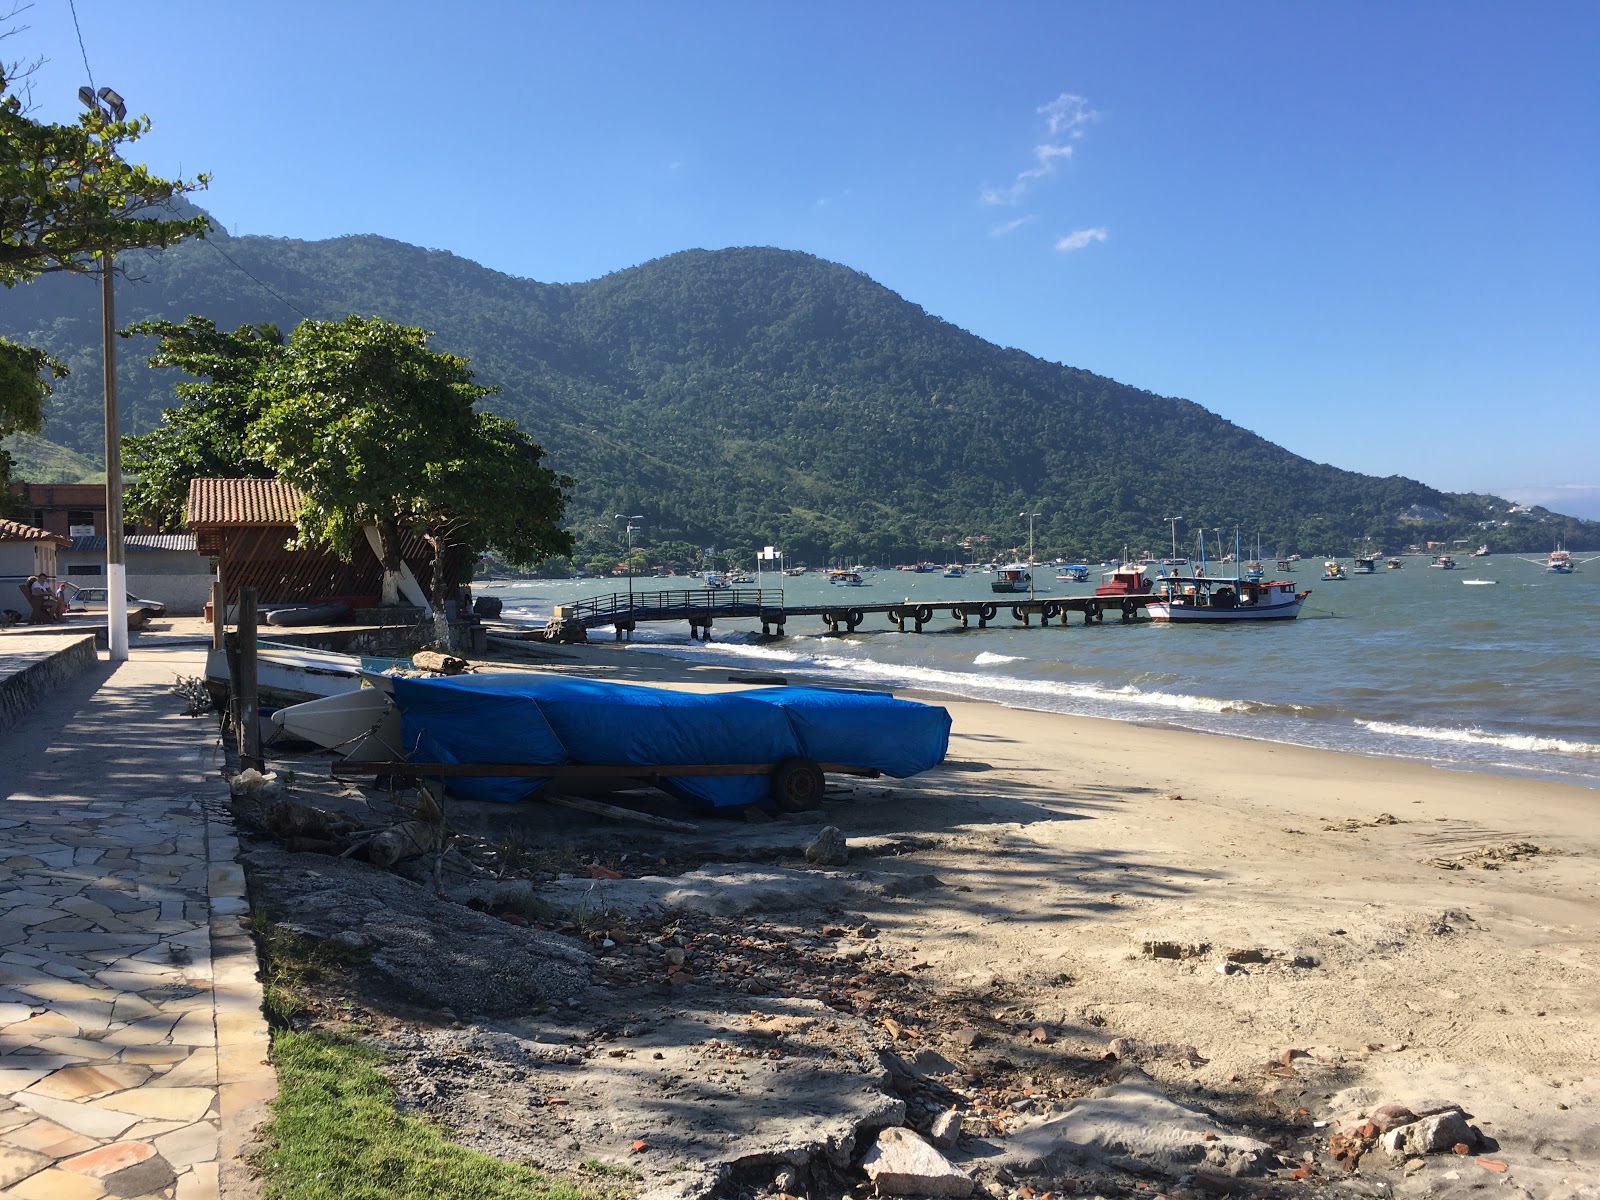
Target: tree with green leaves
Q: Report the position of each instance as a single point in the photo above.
(67, 200)
(374, 429)
(206, 436)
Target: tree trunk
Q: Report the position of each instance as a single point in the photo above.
(442, 632)
(389, 557)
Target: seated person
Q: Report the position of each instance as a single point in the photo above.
(39, 588)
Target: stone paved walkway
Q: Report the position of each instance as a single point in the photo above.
(132, 1044)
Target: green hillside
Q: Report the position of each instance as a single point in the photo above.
(41, 461)
(745, 396)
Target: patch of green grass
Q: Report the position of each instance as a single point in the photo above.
(336, 1135)
(596, 1166)
(291, 962)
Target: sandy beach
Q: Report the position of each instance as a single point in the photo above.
(1424, 936)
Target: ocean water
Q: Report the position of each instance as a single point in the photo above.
(1408, 664)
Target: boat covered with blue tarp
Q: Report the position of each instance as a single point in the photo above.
(532, 718)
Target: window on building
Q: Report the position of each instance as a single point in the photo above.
(80, 522)
(84, 569)
(38, 518)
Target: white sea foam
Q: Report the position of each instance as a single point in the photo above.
(986, 659)
(1482, 737)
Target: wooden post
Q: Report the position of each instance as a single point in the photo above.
(249, 701)
(218, 615)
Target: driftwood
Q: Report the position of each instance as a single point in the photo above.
(601, 809)
(409, 839)
(443, 664)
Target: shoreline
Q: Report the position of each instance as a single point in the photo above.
(1424, 936)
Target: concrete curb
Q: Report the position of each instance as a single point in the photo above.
(246, 1081)
(21, 692)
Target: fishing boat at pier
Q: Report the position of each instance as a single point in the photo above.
(1125, 580)
(1205, 600)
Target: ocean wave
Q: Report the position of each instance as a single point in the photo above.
(986, 659)
(1530, 743)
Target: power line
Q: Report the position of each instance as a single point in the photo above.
(259, 283)
(72, 4)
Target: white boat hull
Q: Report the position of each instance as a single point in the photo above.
(1185, 614)
(286, 676)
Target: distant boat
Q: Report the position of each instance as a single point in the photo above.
(1443, 562)
(714, 581)
(1365, 566)
(845, 579)
(1073, 573)
(955, 571)
(1333, 571)
(1014, 577)
(1286, 565)
(794, 572)
(1394, 564)
(1480, 582)
(1480, 552)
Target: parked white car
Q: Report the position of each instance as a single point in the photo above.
(93, 600)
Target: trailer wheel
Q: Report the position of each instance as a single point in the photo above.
(797, 784)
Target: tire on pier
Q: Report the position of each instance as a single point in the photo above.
(854, 617)
(924, 614)
(796, 784)
(1017, 614)
(987, 612)
(894, 615)
(1130, 609)
(1091, 611)
(1050, 609)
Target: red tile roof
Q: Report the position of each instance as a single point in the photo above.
(16, 531)
(242, 502)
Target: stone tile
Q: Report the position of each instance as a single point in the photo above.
(14, 1079)
(90, 1016)
(149, 1131)
(109, 1160)
(149, 1032)
(155, 1055)
(195, 1028)
(78, 1048)
(80, 1083)
(16, 1164)
(192, 1144)
(15, 1010)
(128, 1007)
(45, 1025)
(200, 1183)
(81, 1118)
(56, 1184)
(198, 1070)
(29, 915)
(48, 1138)
(122, 903)
(62, 925)
(166, 1104)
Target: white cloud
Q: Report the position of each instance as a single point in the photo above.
(1012, 226)
(1065, 115)
(1079, 238)
(1068, 114)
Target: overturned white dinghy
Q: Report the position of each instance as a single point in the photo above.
(364, 724)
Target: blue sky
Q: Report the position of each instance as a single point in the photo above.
(1366, 231)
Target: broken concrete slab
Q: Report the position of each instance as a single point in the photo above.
(901, 1164)
(1134, 1119)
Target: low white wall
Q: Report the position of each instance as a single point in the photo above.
(184, 595)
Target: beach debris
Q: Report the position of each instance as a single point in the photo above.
(196, 697)
(830, 849)
(1391, 1116)
(1353, 824)
(252, 784)
(1439, 1133)
(1174, 950)
(408, 839)
(901, 1163)
(440, 664)
(946, 1129)
(1488, 858)
(1131, 1049)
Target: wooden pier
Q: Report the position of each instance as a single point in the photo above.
(702, 608)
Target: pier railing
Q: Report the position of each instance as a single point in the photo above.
(663, 605)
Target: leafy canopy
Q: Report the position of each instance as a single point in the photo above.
(372, 427)
(67, 198)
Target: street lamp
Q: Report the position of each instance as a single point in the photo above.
(1030, 516)
(629, 528)
(108, 104)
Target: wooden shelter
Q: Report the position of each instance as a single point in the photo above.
(247, 525)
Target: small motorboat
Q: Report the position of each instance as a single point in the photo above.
(1443, 562)
(1124, 580)
(1394, 564)
(1333, 571)
(1365, 565)
(1479, 582)
(1014, 577)
(846, 579)
(1073, 573)
(955, 572)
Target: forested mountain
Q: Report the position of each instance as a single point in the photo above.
(750, 396)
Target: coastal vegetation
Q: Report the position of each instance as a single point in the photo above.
(745, 397)
(373, 428)
(69, 202)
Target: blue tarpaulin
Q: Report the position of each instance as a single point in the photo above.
(527, 717)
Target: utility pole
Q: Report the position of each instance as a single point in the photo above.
(1173, 521)
(1030, 516)
(110, 105)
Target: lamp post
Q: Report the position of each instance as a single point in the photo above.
(628, 529)
(107, 103)
(1030, 516)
